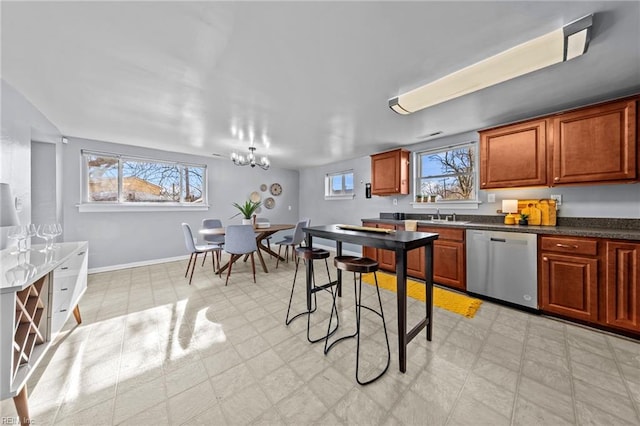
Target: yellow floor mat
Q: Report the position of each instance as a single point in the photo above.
(445, 299)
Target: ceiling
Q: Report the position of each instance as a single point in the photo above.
(311, 79)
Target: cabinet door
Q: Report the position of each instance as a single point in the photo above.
(595, 144)
(415, 263)
(569, 286)
(514, 156)
(370, 252)
(622, 287)
(390, 173)
(387, 258)
(449, 264)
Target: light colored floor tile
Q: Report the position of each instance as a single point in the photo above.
(245, 406)
(546, 398)
(612, 403)
(527, 413)
(471, 411)
(489, 394)
(191, 402)
(210, 354)
(357, 408)
(301, 404)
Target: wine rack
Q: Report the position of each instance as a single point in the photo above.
(30, 327)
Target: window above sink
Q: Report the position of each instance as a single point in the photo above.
(446, 177)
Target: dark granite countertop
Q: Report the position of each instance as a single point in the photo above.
(623, 229)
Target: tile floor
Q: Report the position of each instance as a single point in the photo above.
(153, 350)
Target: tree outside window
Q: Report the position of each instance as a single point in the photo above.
(119, 179)
(449, 174)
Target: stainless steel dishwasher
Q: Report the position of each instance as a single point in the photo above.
(503, 266)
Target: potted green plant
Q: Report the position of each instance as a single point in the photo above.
(524, 219)
(247, 210)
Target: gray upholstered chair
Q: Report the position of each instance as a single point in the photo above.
(294, 240)
(240, 240)
(196, 249)
(217, 240)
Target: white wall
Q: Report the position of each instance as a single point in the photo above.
(43, 183)
(122, 238)
(21, 124)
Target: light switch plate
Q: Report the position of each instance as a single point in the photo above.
(558, 199)
(491, 198)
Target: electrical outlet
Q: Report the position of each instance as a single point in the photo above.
(491, 198)
(558, 199)
(395, 201)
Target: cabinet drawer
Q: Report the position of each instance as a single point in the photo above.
(569, 245)
(452, 234)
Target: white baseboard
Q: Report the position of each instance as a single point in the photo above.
(136, 264)
(185, 257)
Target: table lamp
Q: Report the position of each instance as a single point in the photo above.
(8, 215)
(509, 207)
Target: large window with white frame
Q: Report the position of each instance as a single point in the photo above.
(446, 174)
(339, 185)
(113, 179)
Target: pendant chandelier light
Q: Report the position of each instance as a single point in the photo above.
(250, 160)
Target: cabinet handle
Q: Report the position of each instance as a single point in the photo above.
(64, 268)
(546, 259)
(484, 183)
(556, 178)
(567, 245)
(63, 310)
(64, 289)
(81, 253)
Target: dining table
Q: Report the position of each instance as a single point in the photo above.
(262, 233)
(398, 241)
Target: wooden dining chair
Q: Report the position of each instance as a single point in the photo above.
(240, 240)
(196, 249)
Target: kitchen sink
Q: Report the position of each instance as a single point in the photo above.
(444, 222)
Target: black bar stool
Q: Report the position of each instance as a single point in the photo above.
(359, 265)
(309, 254)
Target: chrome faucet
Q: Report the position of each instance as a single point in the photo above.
(438, 213)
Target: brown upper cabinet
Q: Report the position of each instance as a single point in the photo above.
(514, 156)
(596, 144)
(390, 172)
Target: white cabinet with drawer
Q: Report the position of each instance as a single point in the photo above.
(38, 292)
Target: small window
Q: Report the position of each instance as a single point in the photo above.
(446, 175)
(115, 179)
(339, 186)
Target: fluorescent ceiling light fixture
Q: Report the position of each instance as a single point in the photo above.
(560, 45)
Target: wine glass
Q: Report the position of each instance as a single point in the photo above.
(44, 232)
(31, 231)
(19, 234)
(56, 230)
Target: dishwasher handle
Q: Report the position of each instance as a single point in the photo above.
(499, 240)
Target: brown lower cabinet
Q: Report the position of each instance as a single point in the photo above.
(622, 285)
(594, 280)
(449, 261)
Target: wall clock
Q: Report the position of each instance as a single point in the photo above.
(276, 189)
